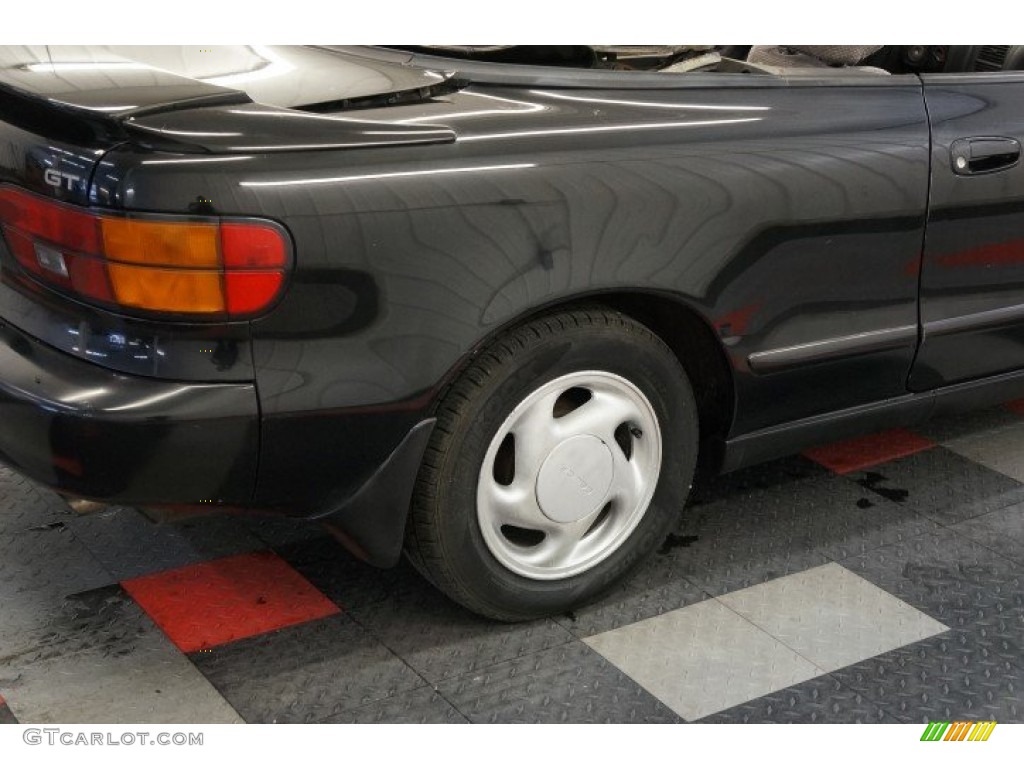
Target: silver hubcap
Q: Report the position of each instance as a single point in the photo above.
(569, 475)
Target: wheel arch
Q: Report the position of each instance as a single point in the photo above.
(686, 331)
(446, 533)
(699, 350)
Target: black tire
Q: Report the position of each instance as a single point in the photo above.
(444, 539)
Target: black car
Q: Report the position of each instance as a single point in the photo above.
(494, 306)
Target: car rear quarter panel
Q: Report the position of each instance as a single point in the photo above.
(781, 216)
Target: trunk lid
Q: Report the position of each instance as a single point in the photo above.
(62, 107)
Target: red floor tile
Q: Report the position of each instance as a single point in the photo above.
(209, 604)
(863, 452)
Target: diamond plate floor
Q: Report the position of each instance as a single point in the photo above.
(876, 580)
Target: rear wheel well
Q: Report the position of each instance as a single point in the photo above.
(700, 352)
(694, 344)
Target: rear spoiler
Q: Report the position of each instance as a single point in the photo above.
(90, 128)
(160, 127)
(56, 120)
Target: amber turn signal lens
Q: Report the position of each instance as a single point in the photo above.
(161, 244)
(167, 290)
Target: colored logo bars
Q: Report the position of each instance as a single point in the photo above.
(959, 731)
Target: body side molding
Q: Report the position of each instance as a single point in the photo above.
(771, 360)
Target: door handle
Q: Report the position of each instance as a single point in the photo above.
(984, 154)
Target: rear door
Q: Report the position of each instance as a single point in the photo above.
(972, 277)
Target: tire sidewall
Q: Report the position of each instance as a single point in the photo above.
(627, 350)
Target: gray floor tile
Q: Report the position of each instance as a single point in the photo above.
(128, 545)
(750, 538)
(103, 618)
(779, 474)
(831, 616)
(50, 562)
(784, 509)
(819, 700)
(1000, 449)
(305, 673)
(970, 673)
(721, 567)
(941, 485)
(38, 569)
(440, 639)
(567, 684)
(975, 422)
(657, 587)
(416, 707)
(26, 505)
(702, 659)
(952, 579)
(972, 510)
(347, 581)
(823, 515)
(108, 664)
(152, 685)
(845, 531)
(1001, 531)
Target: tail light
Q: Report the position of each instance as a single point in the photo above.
(197, 267)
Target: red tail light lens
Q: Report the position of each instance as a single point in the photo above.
(183, 266)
